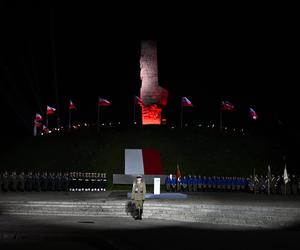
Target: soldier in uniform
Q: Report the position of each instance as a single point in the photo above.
(0, 181)
(51, 182)
(173, 183)
(36, 181)
(190, 183)
(195, 183)
(178, 183)
(21, 182)
(13, 182)
(101, 182)
(5, 182)
(294, 184)
(93, 182)
(138, 196)
(168, 183)
(298, 184)
(58, 182)
(28, 182)
(199, 183)
(72, 182)
(273, 184)
(104, 181)
(184, 184)
(98, 182)
(44, 182)
(65, 182)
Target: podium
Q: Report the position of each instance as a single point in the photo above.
(156, 186)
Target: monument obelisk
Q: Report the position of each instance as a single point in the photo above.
(153, 96)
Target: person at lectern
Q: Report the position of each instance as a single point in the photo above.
(138, 196)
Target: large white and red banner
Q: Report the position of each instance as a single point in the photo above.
(143, 162)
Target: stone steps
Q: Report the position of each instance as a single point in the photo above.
(189, 212)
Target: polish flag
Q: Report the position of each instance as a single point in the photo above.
(178, 173)
(252, 114)
(37, 124)
(72, 105)
(186, 102)
(45, 129)
(225, 105)
(38, 117)
(103, 102)
(138, 100)
(50, 110)
(143, 161)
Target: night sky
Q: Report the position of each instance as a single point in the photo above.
(49, 56)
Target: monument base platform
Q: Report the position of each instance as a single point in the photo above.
(128, 179)
(163, 196)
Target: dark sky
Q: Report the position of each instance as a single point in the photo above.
(51, 55)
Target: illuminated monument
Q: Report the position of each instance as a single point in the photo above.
(153, 96)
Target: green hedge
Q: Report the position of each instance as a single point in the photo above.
(197, 151)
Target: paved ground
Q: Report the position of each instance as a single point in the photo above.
(215, 197)
(51, 232)
(48, 232)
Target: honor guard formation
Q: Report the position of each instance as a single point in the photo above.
(255, 184)
(43, 182)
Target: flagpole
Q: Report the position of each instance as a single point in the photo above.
(181, 114)
(134, 110)
(98, 118)
(254, 180)
(69, 118)
(220, 109)
(284, 189)
(34, 128)
(269, 179)
(46, 120)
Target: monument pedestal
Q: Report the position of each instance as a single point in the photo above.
(167, 196)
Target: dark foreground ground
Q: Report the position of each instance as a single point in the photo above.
(47, 232)
(70, 232)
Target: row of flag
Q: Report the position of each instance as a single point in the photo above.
(224, 106)
(38, 119)
(185, 102)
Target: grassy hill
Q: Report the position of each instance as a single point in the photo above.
(197, 151)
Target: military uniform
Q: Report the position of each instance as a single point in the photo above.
(13, 182)
(21, 182)
(5, 182)
(138, 196)
(168, 183)
(28, 182)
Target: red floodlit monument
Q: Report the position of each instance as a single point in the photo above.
(153, 96)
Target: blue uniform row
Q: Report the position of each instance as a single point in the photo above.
(202, 183)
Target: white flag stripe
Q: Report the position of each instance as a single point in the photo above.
(134, 164)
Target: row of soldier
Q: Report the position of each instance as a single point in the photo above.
(203, 183)
(257, 184)
(274, 184)
(73, 181)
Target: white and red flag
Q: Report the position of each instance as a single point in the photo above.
(225, 105)
(103, 102)
(38, 117)
(186, 102)
(252, 114)
(143, 161)
(138, 100)
(72, 105)
(50, 110)
(45, 129)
